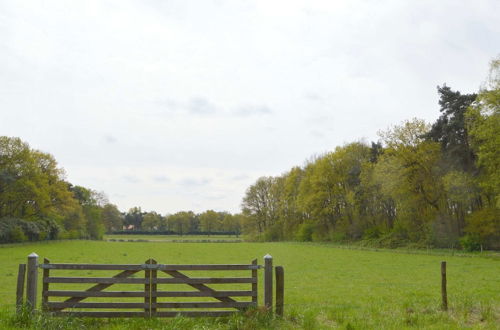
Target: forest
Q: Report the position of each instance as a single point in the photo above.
(420, 184)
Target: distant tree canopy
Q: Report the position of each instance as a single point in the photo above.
(37, 203)
(432, 185)
(185, 222)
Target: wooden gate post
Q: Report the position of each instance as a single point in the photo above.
(154, 287)
(268, 281)
(45, 286)
(21, 275)
(254, 284)
(280, 290)
(32, 281)
(147, 289)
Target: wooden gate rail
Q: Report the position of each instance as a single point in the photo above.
(148, 266)
(74, 304)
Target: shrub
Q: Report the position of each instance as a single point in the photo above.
(305, 231)
(470, 243)
(14, 230)
(337, 236)
(31, 229)
(372, 233)
(273, 233)
(484, 227)
(16, 234)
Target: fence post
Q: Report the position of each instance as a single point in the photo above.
(32, 281)
(268, 282)
(254, 285)
(45, 286)
(154, 275)
(280, 290)
(444, 296)
(20, 287)
(147, 290)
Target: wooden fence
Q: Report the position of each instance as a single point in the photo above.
(143, 288)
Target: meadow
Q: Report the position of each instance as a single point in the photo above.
(325, 286)
(174, 238)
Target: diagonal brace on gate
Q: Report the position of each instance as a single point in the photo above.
(99, 287)
(199, 287)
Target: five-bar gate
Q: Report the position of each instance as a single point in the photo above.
(148, 290)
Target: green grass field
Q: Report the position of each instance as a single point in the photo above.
(325, 286)
(174, 238)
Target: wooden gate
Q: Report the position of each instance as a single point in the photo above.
(150, 289)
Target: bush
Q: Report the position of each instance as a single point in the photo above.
(483, 226)
(11, 231)
(397, 237)
(52, 229)
(14, 230)
(16, 234)
(372, 233)
(305, 231)
(273, 233)
(321, 234)
(470, 243)
(337, 236)
(32, 229)
(70, 234)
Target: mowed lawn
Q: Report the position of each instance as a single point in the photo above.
(325, 286)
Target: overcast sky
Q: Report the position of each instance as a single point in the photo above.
(181, 105)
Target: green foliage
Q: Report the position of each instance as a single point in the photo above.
(14, 230)
(273, 233)
(15, 234)
(35, 197)
(182, 222)
(484, 226)
(450, 129)
(424, 185)
(134, 218)
(151, 221)
(397, 237)
(209, 221)
(305, 232)
(232, 223)
(471, 242)
(95, 227)
(372, 233)
(31, 185)
(484, 125)
(112, 218)
(261, 203)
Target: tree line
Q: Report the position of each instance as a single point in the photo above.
(182, 222)
(37, 203)
(424, 184)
